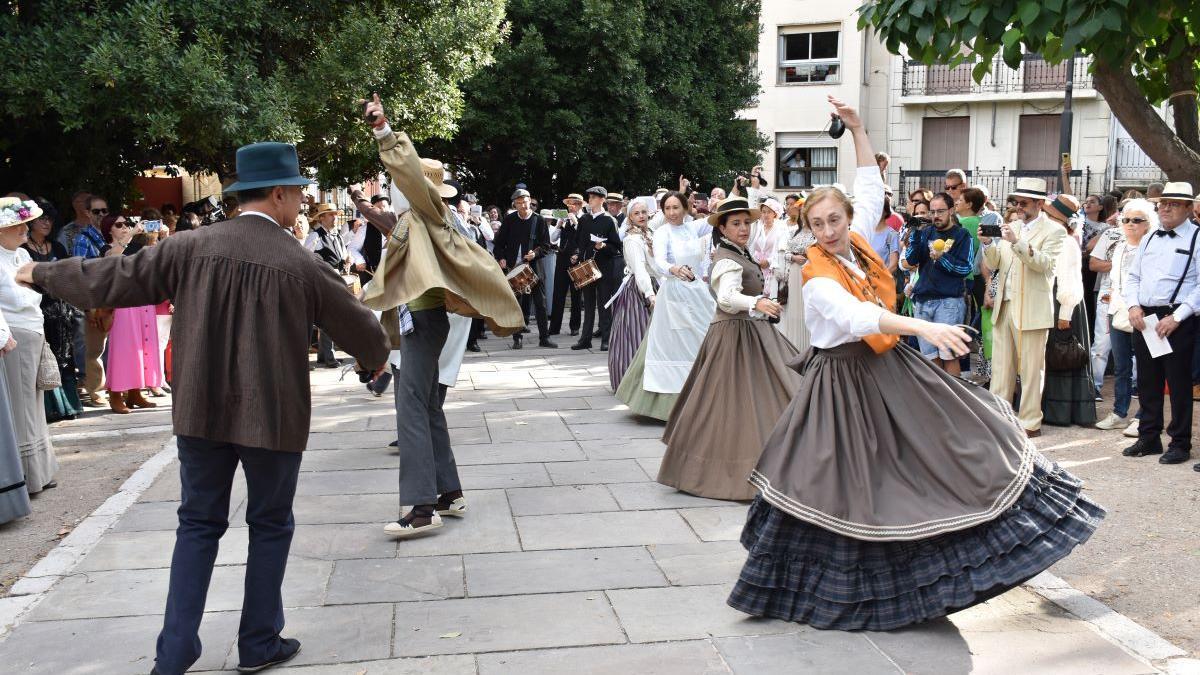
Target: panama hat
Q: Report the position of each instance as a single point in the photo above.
(14, 211)
(435, 173)
(1062, 208)
(261, 165)
(1034, 188)
(574, 196)
(1178, 191)
(731, 205)
(323, 208)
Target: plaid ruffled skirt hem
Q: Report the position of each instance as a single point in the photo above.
(800, 572)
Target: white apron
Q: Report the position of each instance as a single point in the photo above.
(682, 312)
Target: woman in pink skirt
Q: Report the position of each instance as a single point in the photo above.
(133, 356)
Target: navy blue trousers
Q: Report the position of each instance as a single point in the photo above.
(206, 469)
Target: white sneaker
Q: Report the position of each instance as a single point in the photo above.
(1132, 430)
(402, 529)
(456, 508)
(1113, 421)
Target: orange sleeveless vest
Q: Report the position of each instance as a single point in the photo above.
(879, 287)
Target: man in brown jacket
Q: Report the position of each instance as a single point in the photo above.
(245, 295)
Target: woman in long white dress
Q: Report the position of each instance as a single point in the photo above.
(795, 253)
(770, 234)
(683, 309)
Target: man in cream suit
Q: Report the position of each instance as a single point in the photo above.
(1024, 257)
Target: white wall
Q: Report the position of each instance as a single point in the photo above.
(803, 107)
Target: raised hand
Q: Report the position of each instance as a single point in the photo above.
(373, 112)
(848, 114)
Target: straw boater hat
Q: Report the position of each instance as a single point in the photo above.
(729, 206)
(15, 211)
(1180, 192)
(1062, 208)
(321, 209)
(574, 196)
(435, 173)
(1034, 188)
(614, 197)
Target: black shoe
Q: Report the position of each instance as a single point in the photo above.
(525, 329)
(604, 345)
(545, 342)
(473, 346)
(1143, 448)
(574, 332)
(1196, 466)
(581, 345)
(1175, 456)
(596, 334)
(394, 444)
(288, 649)
(516, 341)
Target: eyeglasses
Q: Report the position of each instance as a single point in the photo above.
(99, 212)
(953, 188)
(1136, 221)
(120, 223)
(938, 212)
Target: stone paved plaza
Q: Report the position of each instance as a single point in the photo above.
(571, 560)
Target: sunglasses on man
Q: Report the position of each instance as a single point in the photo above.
(99, 212)
(953, 188)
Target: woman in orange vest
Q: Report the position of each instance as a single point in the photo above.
(890, 492)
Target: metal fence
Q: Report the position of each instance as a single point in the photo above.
(1035, 75)
(998, 182)
(1131, 165)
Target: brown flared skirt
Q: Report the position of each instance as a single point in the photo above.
(735, 394)
(888, 447)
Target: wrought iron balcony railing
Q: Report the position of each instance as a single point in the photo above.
(1034, 75)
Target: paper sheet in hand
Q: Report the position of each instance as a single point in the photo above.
(1158, 346)
(596, 239)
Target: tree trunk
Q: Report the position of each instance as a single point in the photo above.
(1181, 77)
(1120, 90)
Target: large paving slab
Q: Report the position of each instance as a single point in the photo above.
(570, 559)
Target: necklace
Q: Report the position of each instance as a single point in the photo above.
(42, 248)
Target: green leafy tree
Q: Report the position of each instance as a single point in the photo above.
(1143, 53)
(98, 90)
(628, 95)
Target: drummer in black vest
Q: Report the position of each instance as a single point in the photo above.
(524, 238)
(567, 233)
(598, 240)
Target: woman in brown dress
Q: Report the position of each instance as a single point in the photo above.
(743, 358)
(891, 493)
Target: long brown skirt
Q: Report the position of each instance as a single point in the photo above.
(736, 392)
(887, 447)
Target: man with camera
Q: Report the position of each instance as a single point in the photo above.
(942, 253)
(1024, 257)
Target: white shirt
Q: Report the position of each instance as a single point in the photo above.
(726, 282)
(21, 306)
(1157, 268)
(833, 315)
(1069, 275)
(355, 244)
(667, 238)
(638, 263)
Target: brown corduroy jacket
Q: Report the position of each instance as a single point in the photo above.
(246, 296)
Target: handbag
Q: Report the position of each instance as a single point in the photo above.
(48, 375)
(1064, 352)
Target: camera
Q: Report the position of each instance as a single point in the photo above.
(916, 222)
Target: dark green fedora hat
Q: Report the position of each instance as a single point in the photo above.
(262, 165)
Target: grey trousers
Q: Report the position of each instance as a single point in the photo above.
(427, 467)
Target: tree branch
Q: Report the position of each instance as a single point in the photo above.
(1119, 88)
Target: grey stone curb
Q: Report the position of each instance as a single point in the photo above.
(1118, 628)
(29, 590)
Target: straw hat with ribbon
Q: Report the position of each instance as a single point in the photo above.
(1179, 191)
(730, 206)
